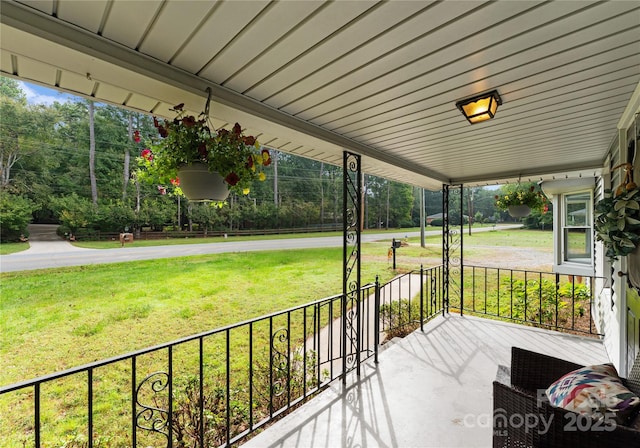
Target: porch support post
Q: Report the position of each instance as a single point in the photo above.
(445, 247)
(452, 253)
(351, 300)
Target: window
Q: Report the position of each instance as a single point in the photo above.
(573, 225)
(577, 233)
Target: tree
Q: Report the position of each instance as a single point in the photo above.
(17, 130)
(15, 214)
(74, 212)
(10, 88)
(92, 154)
(206, 215)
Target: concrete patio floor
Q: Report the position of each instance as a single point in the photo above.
(430, 389)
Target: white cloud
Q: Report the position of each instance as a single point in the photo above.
(42, 95)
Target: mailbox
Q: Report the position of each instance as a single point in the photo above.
(395, 243)
(126, 238)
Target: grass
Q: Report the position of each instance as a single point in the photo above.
(12, 248)
(117, 308)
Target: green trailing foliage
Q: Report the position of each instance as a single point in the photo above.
(617, 222)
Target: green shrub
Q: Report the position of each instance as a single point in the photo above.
(538, 301)
(400, 318)
(15, 214)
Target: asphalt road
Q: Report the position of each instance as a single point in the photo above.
(47, 253)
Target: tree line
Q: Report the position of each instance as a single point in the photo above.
(75, 164)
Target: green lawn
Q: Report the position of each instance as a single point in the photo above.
(55, 315)
(11, 248)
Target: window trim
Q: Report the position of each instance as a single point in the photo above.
(561, 264)
(557, 192)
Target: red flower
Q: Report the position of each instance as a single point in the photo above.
(249, 162)
(545, 209)
(175, 182)
(162, 131)
(147, 154)
(162, 189)
(249, 140)
(237, 129)
(266, 157)
(202, 149)
(156, 123)
(232, 179)
(189, 121)
(136, 136)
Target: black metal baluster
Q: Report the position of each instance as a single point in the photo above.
(330, 345)
(90, 407)
(557, 293)
(134, 440)
(498, 291)
(486, 293)
(421, 298)
(318, 313)
(201, 391)
(376, 318)
(271, 367)
(540, 298)
(304, 351)
(170, 417)
(228, 387)
(591, 281)
(573, 303)
(289, 359)
(250, 375)
(511, 288)
(36, 420)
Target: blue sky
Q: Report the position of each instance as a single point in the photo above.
(41, 95)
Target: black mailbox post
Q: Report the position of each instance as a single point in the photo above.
(394, 245)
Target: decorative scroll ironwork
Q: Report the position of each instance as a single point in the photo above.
(280, 362)
(452, 244)
(152, 417)
(351, 303)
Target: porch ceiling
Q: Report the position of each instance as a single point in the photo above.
(378, 78)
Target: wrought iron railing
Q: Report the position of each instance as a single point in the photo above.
(213, 388)
(545, 299)
(409, 300)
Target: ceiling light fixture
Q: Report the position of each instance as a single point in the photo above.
(480, 107)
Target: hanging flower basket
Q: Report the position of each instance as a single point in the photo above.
(521, 200)
(199, 184)
(190, 148)
(519, 211)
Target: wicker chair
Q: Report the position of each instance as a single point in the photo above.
(522, 419)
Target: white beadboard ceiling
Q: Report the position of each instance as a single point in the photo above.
(377, 78)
